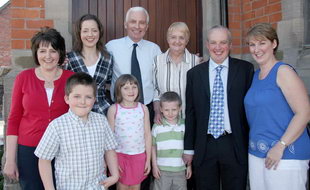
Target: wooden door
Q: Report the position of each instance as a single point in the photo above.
(162, 14)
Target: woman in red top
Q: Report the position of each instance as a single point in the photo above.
(37, 99)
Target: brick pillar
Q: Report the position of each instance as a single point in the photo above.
(27, 17)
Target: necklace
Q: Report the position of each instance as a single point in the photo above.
(49, 83)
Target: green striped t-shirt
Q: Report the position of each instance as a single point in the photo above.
(169, 140)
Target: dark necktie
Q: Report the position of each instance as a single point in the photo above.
(135, 71)
(216, 120)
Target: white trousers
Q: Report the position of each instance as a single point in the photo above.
(289, 175)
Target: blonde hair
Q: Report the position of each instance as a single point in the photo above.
(180, 26)
(120, 82)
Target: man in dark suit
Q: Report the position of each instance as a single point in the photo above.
(216, 135)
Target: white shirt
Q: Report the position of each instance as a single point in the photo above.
(224, 76)
(121, 49)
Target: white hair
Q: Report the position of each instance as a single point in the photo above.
(137, 9)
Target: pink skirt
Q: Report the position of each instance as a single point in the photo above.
(132, 167)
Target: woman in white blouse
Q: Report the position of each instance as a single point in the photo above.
(170, 68)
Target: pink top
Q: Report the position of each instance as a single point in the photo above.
(129, 129)
(30, 113)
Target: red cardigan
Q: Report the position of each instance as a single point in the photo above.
(30, 113)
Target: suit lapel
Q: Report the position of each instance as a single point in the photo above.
(204, 75)
(232, 73)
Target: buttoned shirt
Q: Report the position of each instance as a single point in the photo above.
(78, 148)
(169, 76)
(102, 75)
(224, 76)
(121, 49)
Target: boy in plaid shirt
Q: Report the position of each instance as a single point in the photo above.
(79, 141)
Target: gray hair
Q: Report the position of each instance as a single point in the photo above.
(137, 9)
(216, 27)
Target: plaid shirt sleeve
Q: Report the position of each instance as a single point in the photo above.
(110, 141)
(49, 144)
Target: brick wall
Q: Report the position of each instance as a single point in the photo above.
(28, 16)
(5, 36)
(243, 14)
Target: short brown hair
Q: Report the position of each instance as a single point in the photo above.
(263, 31)
(120, 82)
(45, 37)
(170, 96)
(80, 78)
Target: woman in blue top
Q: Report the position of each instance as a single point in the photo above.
(278, 110)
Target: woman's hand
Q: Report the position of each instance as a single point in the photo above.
(10, 170)
(274, 156)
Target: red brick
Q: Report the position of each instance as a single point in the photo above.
(248, 16)
(273, 1)
(18, 44)
(234, 9)
(246, 7)
(247, 24)
(35, 3)
(259, 4)
(259, 12)
(42, 14)
(17, 23)
(234, 25)
(270, 9)
(39, 23)
(236, 41)
(260, 19)
(275, 17)
(236, 17)
(25, 13)
(18, 3)
(236, 50)
(236, 33)
(22, 34)
(28, 44)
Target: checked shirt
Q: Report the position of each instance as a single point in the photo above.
(103, 75)
(78, 148)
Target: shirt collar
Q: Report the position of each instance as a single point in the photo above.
(77, 118)
(130, 43)
(166, 123)
(185, 56)
(213, 65)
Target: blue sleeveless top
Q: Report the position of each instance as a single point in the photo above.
(269, 115)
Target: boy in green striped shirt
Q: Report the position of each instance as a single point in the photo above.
(169, 170)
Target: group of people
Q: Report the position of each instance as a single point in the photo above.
(172, 115)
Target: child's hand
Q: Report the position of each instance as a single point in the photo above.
(156, 172)
(147, 168)
(109, 181)
(188, 172)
